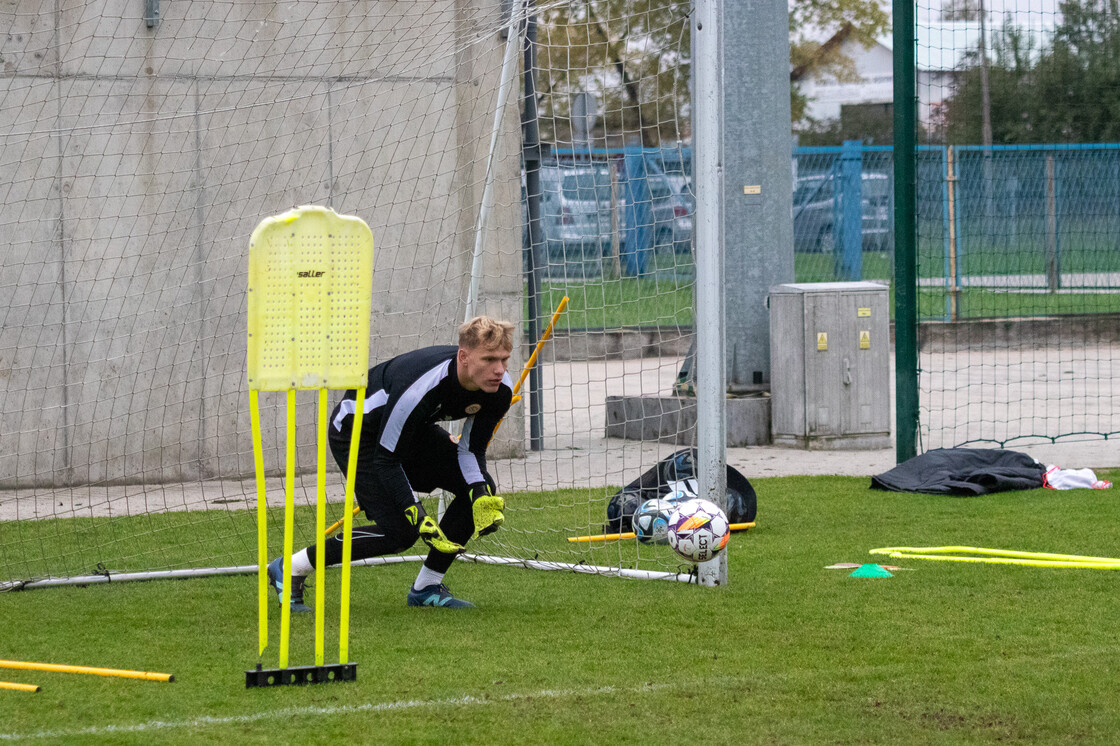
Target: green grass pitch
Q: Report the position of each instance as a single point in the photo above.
(788, 653)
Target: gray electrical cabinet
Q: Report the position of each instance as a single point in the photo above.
(830, 381)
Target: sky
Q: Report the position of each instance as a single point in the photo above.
(1025, 12)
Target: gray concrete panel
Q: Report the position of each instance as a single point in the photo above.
(146, 160)
(672, 419)
(32, 357)
(27, 42)
(758, 181)
(132, 301)
(244, 39)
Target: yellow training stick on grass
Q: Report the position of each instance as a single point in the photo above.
(20, 687)
(1000, 557)
(57, 668)
(631, 534)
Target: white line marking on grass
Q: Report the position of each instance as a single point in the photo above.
(205, 721)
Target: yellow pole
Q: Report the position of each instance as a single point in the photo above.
(20, 687)
(262, 523)
(954, 280)
(339, 523)
(536, 350)
(289, 525)
(320, 521)
(27, 666)
(630, 534)
(348, 530)
(1009, 561)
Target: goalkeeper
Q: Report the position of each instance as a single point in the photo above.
(403, 448)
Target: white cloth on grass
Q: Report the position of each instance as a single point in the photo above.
(1070, 479)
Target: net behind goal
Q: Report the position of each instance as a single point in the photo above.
(137, 153)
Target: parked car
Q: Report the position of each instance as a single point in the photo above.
(672, 216)
(682, 185)
(575, 204)
(817, 201)
(576, 215)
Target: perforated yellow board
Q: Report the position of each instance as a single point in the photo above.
(310, 286)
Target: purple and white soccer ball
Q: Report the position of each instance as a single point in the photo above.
(698, 530)
(651, 521)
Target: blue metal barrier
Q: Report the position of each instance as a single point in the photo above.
(1037, 217)
(633, 168)
(849, 201)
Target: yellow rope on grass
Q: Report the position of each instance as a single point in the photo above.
(1000, 556)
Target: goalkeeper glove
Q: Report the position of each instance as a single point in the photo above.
(487, 509)
(430, 532)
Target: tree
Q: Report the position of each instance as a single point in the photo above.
(1068, 91)
(635, 56)
(1079, 77)
(960, 10)
(1010, 82)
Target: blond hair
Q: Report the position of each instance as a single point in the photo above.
(483, 331)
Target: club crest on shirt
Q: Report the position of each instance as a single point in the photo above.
(473, 408)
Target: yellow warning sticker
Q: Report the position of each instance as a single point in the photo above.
(864, 339)
(822, 340)
(863, 312)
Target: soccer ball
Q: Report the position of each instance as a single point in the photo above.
(680, 491)
(698, 530)
(676, 497)
(651, 521)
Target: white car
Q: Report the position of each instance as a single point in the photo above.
(817, 203)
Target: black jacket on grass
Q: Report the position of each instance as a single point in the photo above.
(963, 472)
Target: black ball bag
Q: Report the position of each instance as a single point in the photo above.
(655, 482)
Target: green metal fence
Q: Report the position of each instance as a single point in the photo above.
(1037, 218)
(1006, 248)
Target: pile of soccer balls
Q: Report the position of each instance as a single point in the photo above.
(696, 529)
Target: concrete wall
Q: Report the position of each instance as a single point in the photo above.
(136, 161)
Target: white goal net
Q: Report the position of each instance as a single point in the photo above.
(140, 144)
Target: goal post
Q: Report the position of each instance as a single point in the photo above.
(711, 371)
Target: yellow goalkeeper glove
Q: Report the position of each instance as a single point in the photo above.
(430, 532)
(487, 509)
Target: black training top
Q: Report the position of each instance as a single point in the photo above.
(410, 392)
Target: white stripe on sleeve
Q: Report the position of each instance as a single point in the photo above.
(408, 402)
(468, 463)
(349, 406)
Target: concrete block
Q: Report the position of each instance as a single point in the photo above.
(856, 442)
(672, 419)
